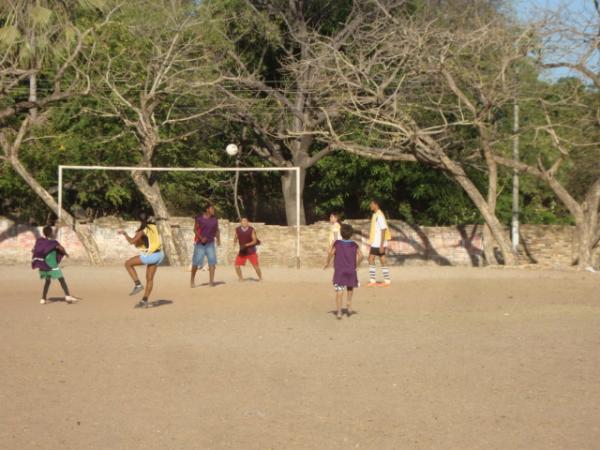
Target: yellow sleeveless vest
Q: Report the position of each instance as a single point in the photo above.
(154, 242)
(388, 235)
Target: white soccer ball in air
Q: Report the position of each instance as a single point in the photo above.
(232, 149)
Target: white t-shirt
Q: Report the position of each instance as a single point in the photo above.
(334, 234)
(379, 227)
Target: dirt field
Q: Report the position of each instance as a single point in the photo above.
(448, 358)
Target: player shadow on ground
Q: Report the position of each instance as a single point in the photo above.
(215, 284)
(344, 312)
(424, 249)
(157, 303)
(251, 279)
(61, 299)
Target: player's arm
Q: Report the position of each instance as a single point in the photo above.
(330, 256)
(359, 257)
(135, 240)
(218, 236)
(254, 240)
(235, 238)
(62, 250)
(197, 231)
(383, 230)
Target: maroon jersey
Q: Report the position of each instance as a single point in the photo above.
(345, 263)
(206, 229)
(245, 237)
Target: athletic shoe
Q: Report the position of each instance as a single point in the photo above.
(142, 304)
(71, 299)
(42, 302)
(372, 284)
(137, 289)
(386, 284)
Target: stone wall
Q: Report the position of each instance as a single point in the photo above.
(410, 245)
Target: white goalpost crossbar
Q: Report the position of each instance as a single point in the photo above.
(62, 168)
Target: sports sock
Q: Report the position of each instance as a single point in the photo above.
(386, 274)
(372, 274)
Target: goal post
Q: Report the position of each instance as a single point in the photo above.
(62, 168)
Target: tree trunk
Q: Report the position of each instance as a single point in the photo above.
(488, 245)
(288, 187)
(585, 215)
(153, 196)
(83, 233)
(584, 245)
(587, 226)
(490, 218)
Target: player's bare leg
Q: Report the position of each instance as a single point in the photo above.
(258, 271)
(130, 266)
(211, 275)
(150, 272)
(193, 276)
(338, 304)
(349, 310)
(238, 271)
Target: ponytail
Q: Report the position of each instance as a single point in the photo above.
(143, 221)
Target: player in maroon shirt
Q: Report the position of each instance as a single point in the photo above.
(246, 236)
(207, 233)
(347, 257)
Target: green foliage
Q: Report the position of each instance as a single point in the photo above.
(74, 132)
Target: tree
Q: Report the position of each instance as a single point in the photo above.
(276, 92)
(569, 126)
(478, 67)
(569, 121)
(396, 81)
(42, 63)
(153, 77)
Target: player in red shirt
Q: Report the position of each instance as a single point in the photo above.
(246, 236)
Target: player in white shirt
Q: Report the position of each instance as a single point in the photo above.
(379, 236)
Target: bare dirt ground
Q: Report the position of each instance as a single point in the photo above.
(448, 358)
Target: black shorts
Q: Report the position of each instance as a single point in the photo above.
(375, 251)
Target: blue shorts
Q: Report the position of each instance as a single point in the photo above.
(153, 258)
(200, 251)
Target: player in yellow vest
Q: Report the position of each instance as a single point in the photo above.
(379, 236)
(147, 240)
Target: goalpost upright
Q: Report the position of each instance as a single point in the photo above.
(61, 168)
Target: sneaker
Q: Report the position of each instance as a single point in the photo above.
(71, 299)
(385, 284)
(42, 302)
(137, 289)
(372, 284)
(142, 304)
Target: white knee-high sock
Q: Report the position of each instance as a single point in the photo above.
(386, 274)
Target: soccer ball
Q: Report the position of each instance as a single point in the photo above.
(232, 149)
